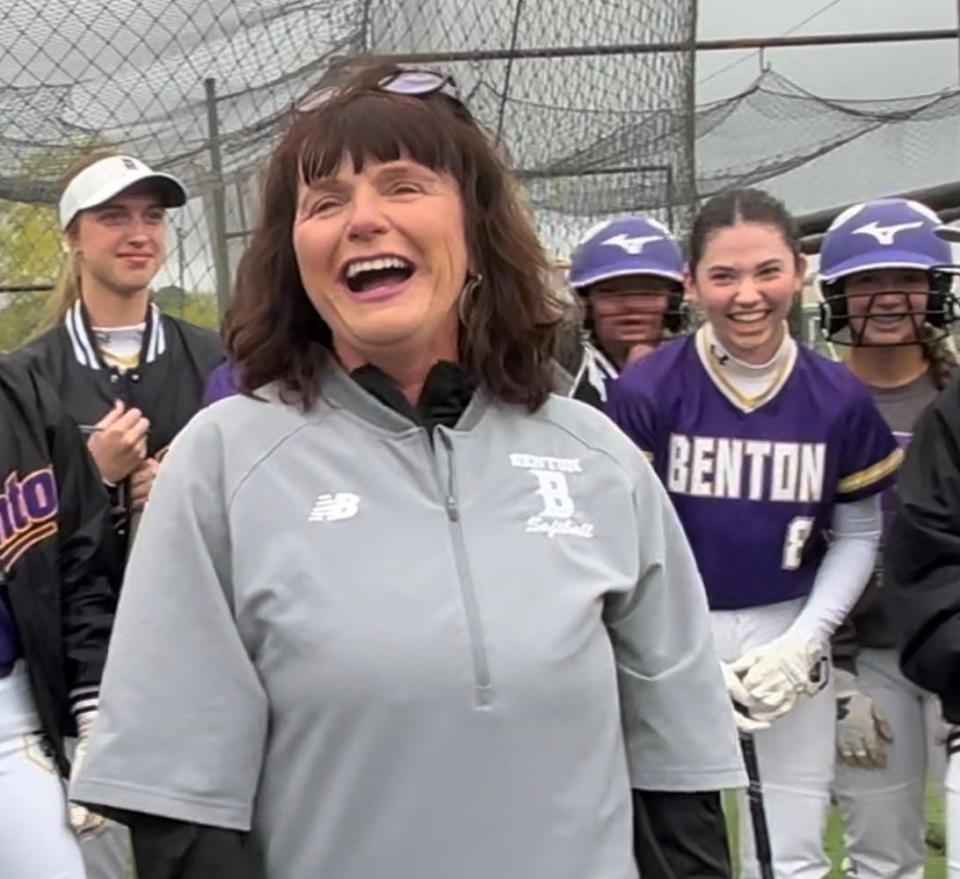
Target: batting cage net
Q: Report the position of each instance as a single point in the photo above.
(818, 153)
(596, 114)
(203, 88)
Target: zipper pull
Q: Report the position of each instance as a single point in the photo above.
(453, 511)
(450, 502)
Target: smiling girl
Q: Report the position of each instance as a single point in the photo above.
(886, 294)
(628, 275)
(129, 375)
(764, 446)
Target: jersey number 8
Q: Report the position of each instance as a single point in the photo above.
(798, 532)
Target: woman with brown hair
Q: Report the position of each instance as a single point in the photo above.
(396, 608)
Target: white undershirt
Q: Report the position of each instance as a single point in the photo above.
(750, 379)
(855, 527)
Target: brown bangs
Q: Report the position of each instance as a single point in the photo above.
(379, 127)
(508, 333)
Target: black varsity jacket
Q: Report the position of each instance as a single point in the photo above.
(167, 386)
(53, 518)
(922, 554)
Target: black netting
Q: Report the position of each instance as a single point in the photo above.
(131, 74)
(591, 133)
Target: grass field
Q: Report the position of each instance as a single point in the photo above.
(935, 867)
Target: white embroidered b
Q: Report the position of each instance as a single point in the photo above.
(558, 516)
(555, 493)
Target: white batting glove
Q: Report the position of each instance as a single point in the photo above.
(863, 732)
(742, 703)
(85, 824)
(947, 735)
(780, 674)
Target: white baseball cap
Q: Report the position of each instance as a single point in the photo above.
(949, 233)
(109, 177)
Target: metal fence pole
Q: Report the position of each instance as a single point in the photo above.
(221, 261)
(518, 11)
(689, 173)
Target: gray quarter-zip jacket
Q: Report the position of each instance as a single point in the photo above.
(396, 657)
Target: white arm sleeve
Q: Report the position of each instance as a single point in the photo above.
(844, 571)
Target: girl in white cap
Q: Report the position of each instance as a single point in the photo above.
(129, 375)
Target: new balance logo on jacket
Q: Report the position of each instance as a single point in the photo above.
(334, 507)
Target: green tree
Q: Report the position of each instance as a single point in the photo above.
(23, 316)
(30, 251)
(30, 232)
(29, 244)
(29, 255)
(196, 306)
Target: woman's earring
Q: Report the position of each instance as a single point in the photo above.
(466, 295)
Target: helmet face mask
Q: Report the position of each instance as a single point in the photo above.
(875, 254)
(635, 310)
(843, 325)
(618, 263)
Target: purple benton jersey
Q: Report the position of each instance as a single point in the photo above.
(754, 480)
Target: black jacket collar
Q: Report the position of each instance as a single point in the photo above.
(446, 393)
(84, 342)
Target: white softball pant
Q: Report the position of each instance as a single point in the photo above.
(952, 796)
(795, 756)
(36, 841)
(883, 809)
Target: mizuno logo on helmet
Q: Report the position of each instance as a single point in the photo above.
(886, 234)
(633, 246)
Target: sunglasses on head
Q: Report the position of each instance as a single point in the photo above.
(417, 82)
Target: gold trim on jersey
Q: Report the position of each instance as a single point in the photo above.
(871, 474)
(714, 369)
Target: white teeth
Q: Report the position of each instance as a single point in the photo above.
(750, 317)
(374, 265)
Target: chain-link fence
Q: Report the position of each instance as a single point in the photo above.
(203, 88)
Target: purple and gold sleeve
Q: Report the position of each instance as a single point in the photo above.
(870, 455)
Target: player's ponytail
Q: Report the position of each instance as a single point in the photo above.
(940, 354)
(741, 206)
(66, 290)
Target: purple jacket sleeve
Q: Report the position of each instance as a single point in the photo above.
(221, 383)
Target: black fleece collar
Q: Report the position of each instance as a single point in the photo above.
(446, 393)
